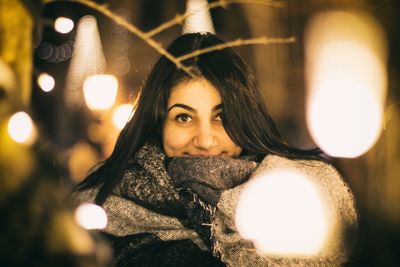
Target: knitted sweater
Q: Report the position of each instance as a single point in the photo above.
(180, 211)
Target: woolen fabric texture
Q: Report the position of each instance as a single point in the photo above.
(180, 211)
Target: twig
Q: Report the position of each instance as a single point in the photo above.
(130, 27)
(239, 42)
(158, 47)
(179, 18)
(225, 3)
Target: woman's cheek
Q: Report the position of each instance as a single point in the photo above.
(175, 140)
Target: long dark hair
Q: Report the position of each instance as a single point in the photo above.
(244, 114)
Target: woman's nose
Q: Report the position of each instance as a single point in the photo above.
(204, 137)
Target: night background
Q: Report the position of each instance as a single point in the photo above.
(71, 137)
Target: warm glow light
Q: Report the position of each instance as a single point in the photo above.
(343, 122)
(121, 115)
(346, 82)
(100, 91)
(282, 212)
(46, 82)
(91, 216)
(21, 128)
(63, 25)
(87, 59)
(199, 18)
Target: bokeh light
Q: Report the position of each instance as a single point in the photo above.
(63, 25)
(87, 59)
(81, 158)
(100, 91)
(21, 128)
(91, 216)
(346, 82)
(121, 115)
(46, 82)
(282, 212)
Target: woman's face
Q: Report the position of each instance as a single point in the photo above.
(193, 126)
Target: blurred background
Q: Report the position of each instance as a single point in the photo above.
(57, 55)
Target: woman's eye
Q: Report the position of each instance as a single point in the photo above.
(218, 117)
(183, 118)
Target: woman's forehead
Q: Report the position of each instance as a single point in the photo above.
(195, 91)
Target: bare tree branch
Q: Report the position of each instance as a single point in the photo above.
(130, 27)
(225, 3)
(103, 9)
(179, 18)
(239, 42)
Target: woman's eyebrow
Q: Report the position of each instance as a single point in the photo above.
(217, 107)
(178, 105)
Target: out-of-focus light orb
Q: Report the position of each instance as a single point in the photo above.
(282, 213)
(121, 115)
(346, 58)
(46, 82)
(100, 91)
(63, 25)
(91, 216)
(21, 128)
(344, 123)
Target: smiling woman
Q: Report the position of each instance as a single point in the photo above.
(171, 186)
(193, 127)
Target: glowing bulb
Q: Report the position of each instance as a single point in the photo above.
(46, 82)
(121, 115)
(100, 91)
(347, 80)
(91, 216)
(63, 25)
(282, 212)
(21, 128)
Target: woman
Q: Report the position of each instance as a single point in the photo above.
(171, 184)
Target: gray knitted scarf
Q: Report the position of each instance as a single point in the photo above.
(154, 181)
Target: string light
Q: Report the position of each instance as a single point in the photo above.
(282, 212)
(346, 82)
(91, 216)
(63, 25)
(21, 128)
(46, 82)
